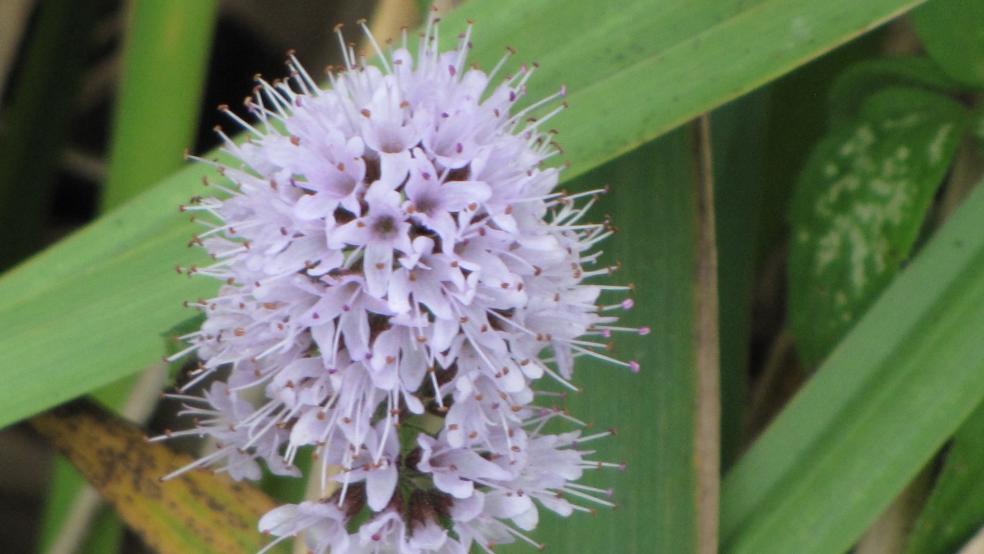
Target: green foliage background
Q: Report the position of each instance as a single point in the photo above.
(846, 192)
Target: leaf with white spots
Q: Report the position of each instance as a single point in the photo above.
(858, 208)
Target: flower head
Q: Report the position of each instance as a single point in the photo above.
(399, 278)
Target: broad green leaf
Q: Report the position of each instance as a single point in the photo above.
(654, 204)
(858, 208)
(864, 78)
(87, 311)
(885, 400)
(36, 123)
(952, 33)
(644, 69)
(955, 509)
(196, 512)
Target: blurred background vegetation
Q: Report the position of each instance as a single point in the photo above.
(90, 116)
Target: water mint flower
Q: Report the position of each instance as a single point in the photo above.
(405, 292)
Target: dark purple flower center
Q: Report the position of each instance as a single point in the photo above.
(384, 226)
(425, 204)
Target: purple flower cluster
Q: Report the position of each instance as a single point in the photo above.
(398, 274)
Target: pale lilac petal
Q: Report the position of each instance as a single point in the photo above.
(428, 537)
(413, 368)
(394, 168)
(527, 520)
(507, 504)
(280, 521)
(459, 194)
(473, 465)
(314, 206)
(443, 332)
(309, 427)
(398, 294)
(353, 233)
(467, 509)
(380, 484)
(378, 266)
(453, 485)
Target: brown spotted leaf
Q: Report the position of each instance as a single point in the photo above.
(196, 512)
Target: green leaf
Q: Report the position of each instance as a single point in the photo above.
(858, 208)
(952, 33)
(864, 78)
(654, 203)
(955, 509)
(165, 56)
(682, 55)
(88, 311)
(885, 400)
(196, 512)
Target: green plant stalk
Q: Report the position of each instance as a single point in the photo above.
(164, 58)
(36, 124)
(882, 404)
(78, 294)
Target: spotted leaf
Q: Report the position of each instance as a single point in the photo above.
(858, 208)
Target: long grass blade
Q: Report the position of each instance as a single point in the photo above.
(884, 401)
